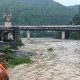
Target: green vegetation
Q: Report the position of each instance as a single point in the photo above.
(50, 49)
(12, 60)
(75, 21)
(8, 54)
(75, 35)
(36, 12)
(20, 60)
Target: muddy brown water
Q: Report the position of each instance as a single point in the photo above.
(61, 64)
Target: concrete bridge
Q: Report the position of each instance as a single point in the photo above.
(61, 28)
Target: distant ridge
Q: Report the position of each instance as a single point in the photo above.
(75, 7)
(36, 12)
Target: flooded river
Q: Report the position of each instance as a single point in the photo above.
(62, 63)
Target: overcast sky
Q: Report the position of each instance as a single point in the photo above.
(68, 2)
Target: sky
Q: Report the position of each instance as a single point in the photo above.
(68, 2)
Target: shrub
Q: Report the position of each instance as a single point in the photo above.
(50, 49)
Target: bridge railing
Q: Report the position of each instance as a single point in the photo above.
(51, 28)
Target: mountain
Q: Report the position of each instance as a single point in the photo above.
(36, 12)
(75, 7)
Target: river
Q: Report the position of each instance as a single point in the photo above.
(60, 64)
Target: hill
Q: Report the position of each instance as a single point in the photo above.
(75, 7)
(36, 12)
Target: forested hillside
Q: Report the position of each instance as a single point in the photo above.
(36, 12)
(75, 7)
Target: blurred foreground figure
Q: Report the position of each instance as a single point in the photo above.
(3, 69)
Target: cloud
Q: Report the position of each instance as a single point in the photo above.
(68, 2)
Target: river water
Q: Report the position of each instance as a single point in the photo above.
(63, 63)
(65, 50)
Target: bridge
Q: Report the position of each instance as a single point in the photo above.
(61, 28)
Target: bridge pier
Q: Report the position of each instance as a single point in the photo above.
(28, 34)
(1, 35)
(63, 35)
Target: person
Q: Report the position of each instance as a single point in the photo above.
(3, 73)
(3, 69)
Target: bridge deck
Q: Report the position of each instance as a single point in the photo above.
(54, 28)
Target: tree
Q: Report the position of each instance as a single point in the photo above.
(76, 19)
